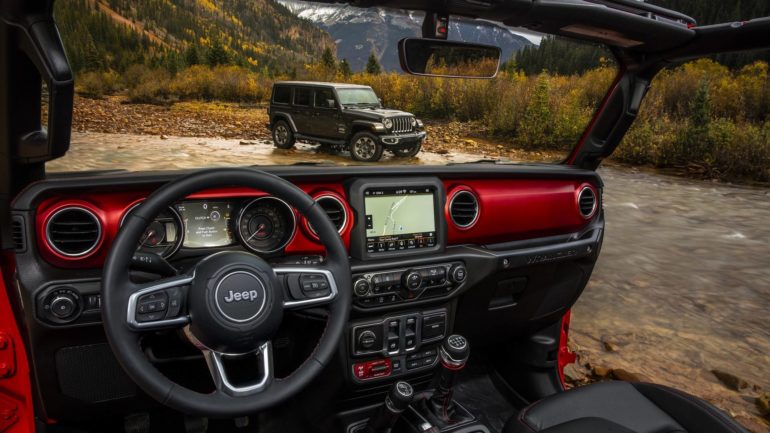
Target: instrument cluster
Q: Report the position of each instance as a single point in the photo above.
(263, 225)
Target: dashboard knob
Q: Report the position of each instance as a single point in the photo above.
(64, 306)
(367, 339)
(412, 280)
(458, 273)
(361, 287)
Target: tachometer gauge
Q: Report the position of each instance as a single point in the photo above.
(163, 236)
(266, 225)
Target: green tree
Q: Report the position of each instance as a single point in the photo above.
(696, 143)
(191, 56)
(217, 55)
(373, 65)
(345, 69)
(534, 130)
(327, 59)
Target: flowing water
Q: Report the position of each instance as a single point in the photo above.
(682, 285)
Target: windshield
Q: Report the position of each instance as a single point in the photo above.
(177, 84)
(356, 97)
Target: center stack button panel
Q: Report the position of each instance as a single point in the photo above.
(399, 344)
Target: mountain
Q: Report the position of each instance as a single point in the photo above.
(261, 34)
(359, 32)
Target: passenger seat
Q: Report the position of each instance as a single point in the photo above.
(622, 407)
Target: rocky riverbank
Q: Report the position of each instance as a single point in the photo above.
(681, 293)
(248, 122)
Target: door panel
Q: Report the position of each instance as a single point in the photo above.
(325, 118)
(15, 388)
(302, 111)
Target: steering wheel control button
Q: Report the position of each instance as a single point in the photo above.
(240, 296)
(314, 285)
(174, 302)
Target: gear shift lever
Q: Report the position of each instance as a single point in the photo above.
(453, 354)
(398, 399)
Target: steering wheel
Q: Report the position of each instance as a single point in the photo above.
(229, 305)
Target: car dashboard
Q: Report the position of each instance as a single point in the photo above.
(432, 251)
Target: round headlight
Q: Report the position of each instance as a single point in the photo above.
(388, 123)
(414, 122)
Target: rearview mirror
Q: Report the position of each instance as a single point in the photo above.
(439, 58)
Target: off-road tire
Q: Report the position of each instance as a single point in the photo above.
(283, 137)
(408, 152)
(365, 147)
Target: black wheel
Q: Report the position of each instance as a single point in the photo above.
(408, 152)
(283, 137)
(365, 147)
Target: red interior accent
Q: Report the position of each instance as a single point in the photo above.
(517, 209)
(565, 356)
(16, 409)
(596, 195)
(510, 209)
(365, 370)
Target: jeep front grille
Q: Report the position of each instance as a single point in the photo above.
(402, 124)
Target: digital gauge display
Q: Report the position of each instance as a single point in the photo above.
(206, 223)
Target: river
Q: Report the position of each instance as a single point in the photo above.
(682, 286)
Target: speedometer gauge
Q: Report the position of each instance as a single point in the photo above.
(266, 225)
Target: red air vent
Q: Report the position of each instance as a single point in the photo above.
(464, 209)
(73, 231)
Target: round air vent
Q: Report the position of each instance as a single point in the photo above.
(334, 209)
(587, 202)
(73, 231)
(464, 209)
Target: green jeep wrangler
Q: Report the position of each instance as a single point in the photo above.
(346, 116)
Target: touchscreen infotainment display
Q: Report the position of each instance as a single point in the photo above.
(206, 223)
(400, 219)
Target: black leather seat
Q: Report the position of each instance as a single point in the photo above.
(622, 407)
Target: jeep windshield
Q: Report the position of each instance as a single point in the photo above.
(163, 86)
(358, 98)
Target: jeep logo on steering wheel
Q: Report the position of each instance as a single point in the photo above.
(246, 295)
(240, 296)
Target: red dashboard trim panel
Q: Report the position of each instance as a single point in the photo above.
(517, 209)
(509, 210)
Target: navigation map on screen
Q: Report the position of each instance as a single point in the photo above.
(400, 219)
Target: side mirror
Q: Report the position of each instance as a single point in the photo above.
(439, 58)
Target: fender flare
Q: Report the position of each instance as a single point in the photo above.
(282, 115)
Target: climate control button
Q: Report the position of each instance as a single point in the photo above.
(458, 273)
(412, 280)
(361, 287)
